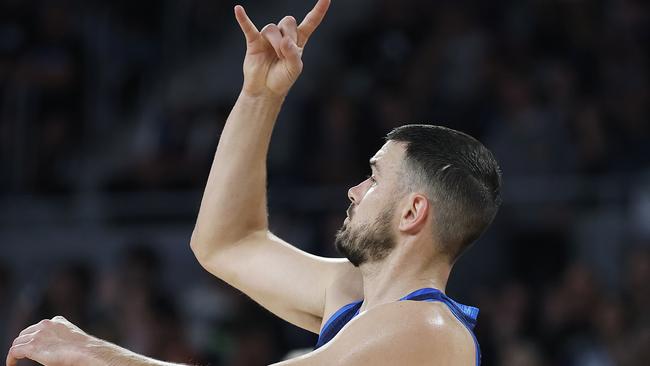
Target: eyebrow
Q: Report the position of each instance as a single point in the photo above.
(373, 164)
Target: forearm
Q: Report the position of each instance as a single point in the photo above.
(108, 354)
(234, 200)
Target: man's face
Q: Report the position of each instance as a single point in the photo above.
(367, 234)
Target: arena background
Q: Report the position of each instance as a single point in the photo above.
(110, 112)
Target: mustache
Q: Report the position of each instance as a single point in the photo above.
(350, 211)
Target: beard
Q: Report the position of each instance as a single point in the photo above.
(367, 243)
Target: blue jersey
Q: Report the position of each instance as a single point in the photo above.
(465, 314)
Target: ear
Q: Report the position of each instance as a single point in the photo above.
(414, 216)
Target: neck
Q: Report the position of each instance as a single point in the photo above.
(393, 278)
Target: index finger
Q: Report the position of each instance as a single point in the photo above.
(33, 328)
(312, 21)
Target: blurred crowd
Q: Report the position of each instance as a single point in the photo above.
(562, 83)
(112, 97)
(130, 304)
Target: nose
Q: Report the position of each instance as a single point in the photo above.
(355, 193)
(351, 195)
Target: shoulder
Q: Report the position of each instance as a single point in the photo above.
(404, 332)
(417, 317)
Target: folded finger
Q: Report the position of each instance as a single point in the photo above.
(11, 360)
(271, 33)
(34, 327)
(18, 352)
(292, 54)
(26, 338)
(30, 329)
(289, 28)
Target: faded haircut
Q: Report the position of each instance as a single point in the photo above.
(460, 177)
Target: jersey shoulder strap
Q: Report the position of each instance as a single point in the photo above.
(464, 313)
(337, 321)
(468, 315)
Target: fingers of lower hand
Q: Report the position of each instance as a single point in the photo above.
(30, 345)
(12, 360)
(35, 334)
(40, 325)
(20, 351)
(25, 338)
(56, 322)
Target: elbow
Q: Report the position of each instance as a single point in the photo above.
(200, 247)
(206, 245)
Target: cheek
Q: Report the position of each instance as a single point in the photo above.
(367, 210)
(371, 191)
(368, 194)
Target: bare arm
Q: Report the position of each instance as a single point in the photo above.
(231, 237)
(57, 342)
(396, 333)
(234, 201)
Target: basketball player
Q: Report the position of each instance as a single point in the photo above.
(432, 192)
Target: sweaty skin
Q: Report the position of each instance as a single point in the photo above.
(231, 240)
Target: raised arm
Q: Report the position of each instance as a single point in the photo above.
(231, 237)
(234, 201)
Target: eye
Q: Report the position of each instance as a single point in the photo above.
(372, 179)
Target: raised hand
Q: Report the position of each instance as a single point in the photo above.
(273, 59)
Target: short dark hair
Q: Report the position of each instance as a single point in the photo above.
(460, 175)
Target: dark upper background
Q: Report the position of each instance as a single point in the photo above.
(110, 112)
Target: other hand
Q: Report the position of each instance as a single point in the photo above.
(55, 342)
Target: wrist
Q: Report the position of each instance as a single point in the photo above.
(99, 353)
(262, 106)
(263, 96)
